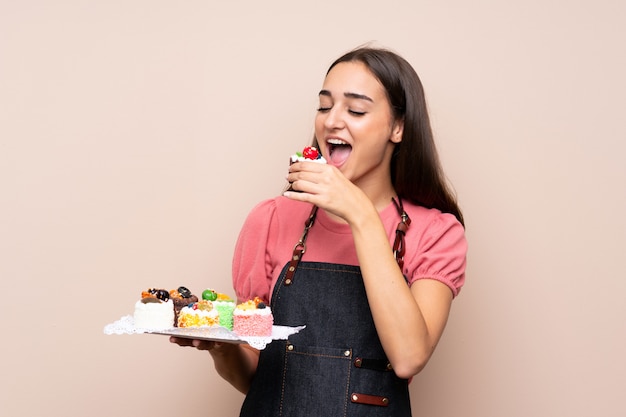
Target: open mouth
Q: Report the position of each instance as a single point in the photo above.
(338, 151)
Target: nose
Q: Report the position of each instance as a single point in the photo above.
(334, 119)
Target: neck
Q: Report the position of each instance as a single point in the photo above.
(380, 196)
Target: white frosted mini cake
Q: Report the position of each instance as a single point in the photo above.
(154, 314)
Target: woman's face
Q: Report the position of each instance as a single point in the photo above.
(354, 126)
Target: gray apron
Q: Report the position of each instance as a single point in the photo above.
(336, 366)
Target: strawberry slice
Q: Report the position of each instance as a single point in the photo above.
(310, 152)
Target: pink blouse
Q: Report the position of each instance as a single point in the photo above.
(435, 244)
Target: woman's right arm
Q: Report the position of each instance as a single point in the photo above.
(236, 363)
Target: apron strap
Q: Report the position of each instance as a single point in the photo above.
(300, 248)
(399, 247)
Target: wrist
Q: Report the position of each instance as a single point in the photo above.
(364, 217)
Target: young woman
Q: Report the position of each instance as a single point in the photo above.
(368, 251)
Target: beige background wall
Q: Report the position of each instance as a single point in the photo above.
(136, 135)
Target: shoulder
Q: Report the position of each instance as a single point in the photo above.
(432, 221)
(439, 244)
(277, 208)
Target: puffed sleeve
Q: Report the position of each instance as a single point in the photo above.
(251, 271)
(442, 253)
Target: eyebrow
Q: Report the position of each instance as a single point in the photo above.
(348, 95)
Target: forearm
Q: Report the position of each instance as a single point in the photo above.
(236, 364)
(401, 326)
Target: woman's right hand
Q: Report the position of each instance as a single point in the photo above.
(326, 187)
(236, 363)
(214, 348)
(198, 344)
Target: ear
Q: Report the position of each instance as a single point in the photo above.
(396, 131)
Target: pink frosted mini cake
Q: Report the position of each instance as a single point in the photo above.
(253, 318)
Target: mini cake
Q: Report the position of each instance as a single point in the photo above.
(253, 318)
(224, 305)
(181, 297)
(155, 310)
(309, 153)
(201, 313)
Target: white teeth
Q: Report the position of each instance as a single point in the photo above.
(336, 142)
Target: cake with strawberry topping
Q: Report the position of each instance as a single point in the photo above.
(253, 318)
(309, 153)
(199, 314)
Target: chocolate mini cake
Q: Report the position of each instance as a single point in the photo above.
(181, 297)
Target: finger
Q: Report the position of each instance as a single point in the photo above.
(303, 176)
(181, 341)
(202, 344)
(207, 345)
(302, 186)
(299, 196)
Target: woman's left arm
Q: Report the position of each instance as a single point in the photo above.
(409, 320)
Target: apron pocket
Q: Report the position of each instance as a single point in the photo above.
(315, 379)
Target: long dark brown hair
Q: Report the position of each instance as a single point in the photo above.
(416, 171)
